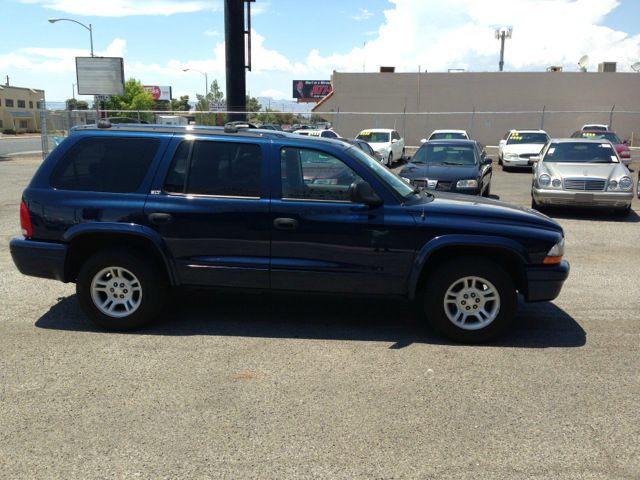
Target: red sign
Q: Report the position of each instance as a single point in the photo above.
(158, 92)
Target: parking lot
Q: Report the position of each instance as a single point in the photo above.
(269, 386)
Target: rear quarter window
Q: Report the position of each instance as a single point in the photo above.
(105, 164)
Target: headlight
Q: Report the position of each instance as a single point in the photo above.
(467, 184)
(625, 183)
(613, 185)
(554, 256)
(544, 180)
(556, 183)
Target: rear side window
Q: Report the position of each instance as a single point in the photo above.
(105, 164)
(215, 168)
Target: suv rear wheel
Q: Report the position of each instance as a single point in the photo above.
(470, 300)
(120, 290)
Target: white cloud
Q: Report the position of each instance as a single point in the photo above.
(363, 14)
(439, 35)
(123, 8)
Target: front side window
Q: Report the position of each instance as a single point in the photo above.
(105, 164)
(227, 169)
(314, 175)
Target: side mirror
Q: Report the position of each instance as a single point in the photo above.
(534, 159)
(626, 142)
(394, 141)
(423, 140)
(487, 160)
(361, 192)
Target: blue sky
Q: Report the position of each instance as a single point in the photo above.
(308, 39)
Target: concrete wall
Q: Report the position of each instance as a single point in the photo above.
(413, 102)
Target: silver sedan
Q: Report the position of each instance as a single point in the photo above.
(581, 173)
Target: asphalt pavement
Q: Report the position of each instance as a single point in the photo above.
(267, 386)
(20, 144)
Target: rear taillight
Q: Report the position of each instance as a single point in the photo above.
(25, 221)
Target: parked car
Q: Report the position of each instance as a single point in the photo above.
(450, 165)
(447, 135)
(364, 146)
(126, 212)
(317, 133)
(596, 126)
(581, 173)
(621, 147)
(387, 142)
(517, 146)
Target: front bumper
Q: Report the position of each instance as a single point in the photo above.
(516, 162)
(39, 259)
(571, 198)
(544, 282)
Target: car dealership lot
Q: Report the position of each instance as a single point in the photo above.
(277, 387)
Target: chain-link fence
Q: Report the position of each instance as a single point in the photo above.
(486, 127)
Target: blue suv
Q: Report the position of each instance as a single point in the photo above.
(129, 211)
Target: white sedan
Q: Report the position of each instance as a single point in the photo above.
(518, 146)
(386, 141)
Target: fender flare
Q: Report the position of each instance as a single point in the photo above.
(127, 229)
(479, 241)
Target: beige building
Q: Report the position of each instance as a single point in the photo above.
(19, 108)
(485, 104)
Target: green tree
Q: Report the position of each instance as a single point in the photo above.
(135, 98)
(181, 104)
(74, 104)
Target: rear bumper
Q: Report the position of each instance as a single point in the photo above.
(544, 282)
(39, 259)
(582, 199)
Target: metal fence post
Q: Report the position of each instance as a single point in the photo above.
(43, 129)
(611, 117)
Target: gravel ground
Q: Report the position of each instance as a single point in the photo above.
(261, 386)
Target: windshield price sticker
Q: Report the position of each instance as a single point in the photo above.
(614, 158)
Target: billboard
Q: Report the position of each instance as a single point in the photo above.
(100, 75)
(159, 92)
(311, 90)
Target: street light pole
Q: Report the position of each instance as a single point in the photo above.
(206, 79)
(89, 27)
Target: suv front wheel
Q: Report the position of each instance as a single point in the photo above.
(470, 300)
(120, 290)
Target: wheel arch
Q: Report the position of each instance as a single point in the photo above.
(507, 253)
(84, 240)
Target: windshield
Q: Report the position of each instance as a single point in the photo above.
(522, 137)
(445, 154)
(612, 137)
(581, 152)
(374, 137)
(401, 187)
(447, 136)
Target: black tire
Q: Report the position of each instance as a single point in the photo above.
(152, 288)
(390, 159)
(536, 206)
(449, 274)
(487, 191)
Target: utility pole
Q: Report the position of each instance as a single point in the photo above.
(502, 34)
(234, 31)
